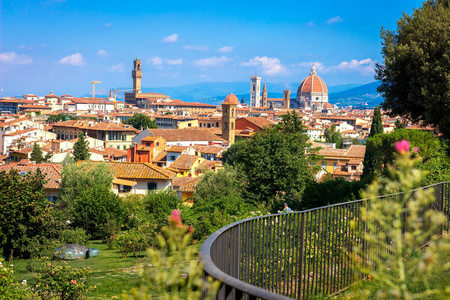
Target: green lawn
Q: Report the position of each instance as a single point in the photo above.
(111, 274)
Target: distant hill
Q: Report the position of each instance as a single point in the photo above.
(365, 95)
(215, 92)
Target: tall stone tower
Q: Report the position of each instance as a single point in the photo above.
(286, 99)
(137, 76)
(229, 117)
(264, 96)
(255, 91)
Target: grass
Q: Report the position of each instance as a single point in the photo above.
(111, 274)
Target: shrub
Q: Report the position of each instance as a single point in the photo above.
(9, 289)
(398, 226)
(74, 236)
(94, 208)
(173, 271)
(136, 240)
(61, 281)
(134, 211)
(159, 204)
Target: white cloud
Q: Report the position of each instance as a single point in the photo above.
(204, 76)
(74, 60)
(171, 38)
(334, 20)
(102, 53)
(212, 61)
(269, 65)
(15, 59)
(364, 67)
(319, 66)
(108, 24)
(174, 61)
(21, 46)
(226, 49)
(155, 60)
(117, 68)
(197, 48)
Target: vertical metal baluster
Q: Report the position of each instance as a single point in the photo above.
(300, 257)
(317, 255)
(309, 232)
(287, 270)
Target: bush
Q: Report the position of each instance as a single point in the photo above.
(159, 204)
(136, 240)
(75, 236)
(135, 212)
(61, 281)
(94, 208)
(9, 289)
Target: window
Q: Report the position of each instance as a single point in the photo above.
(124, 147)
(152, 186)
(157, 144)
(172, 157)
(189, 125)
(147, 144)
(324, 164)
(334, 166)
(217, 124)
(124, 188)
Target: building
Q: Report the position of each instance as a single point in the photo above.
(255, 91)
(137, 97)
(312, 93)
(264, 96)
(229, 117)
(181, 137)
(150, 147)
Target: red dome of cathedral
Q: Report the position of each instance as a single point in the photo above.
(231, 99)
(327, 106)
(312, 84)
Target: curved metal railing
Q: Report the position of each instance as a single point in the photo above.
(291, 255)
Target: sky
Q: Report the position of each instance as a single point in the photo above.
(62, 45)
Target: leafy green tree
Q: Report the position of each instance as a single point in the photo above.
(26, 217)
(79, 177)
(141, 121)
(38, 156)
(227, 183)
(415, 70)
(274, 162)
(81, 148)
(95, 207)
(59, 118)
(159, 204)
(230, 157)
(333, 136)
(373, 158)
(432, 150)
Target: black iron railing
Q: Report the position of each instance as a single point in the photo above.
(292, 255)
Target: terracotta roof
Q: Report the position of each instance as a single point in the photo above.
(83, 124)
(356, 151)
(161, 157)
(150, 138)
(260, 122)
(134, 170)
(186, 134)
(312, 84)
(109, 151)
(355, 161)
(184, 162)
(209, 165)
(177, 149)
(211, 149)
(52, 172)
(185, 184)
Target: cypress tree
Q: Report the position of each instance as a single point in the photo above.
(37, 154)
(81, 148)
(373, 158)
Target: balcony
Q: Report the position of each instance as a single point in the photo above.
(293, 255)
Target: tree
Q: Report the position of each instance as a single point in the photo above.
(159, 204)
(372, 158)
(432, 150)
(415, 71)
(38, 156)
(79, 177)
(333, 136)
(95, 207)
(81, 148)
(26, 218)
(59, 118)
(274, 163)
(141, 121)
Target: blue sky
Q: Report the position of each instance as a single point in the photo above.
(61, 45)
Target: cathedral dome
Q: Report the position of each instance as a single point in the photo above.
(231, 99)
(327, 106)
(312, 84)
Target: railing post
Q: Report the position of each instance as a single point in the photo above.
(300, 255)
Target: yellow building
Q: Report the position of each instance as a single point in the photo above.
(186, 165)
(336, 161)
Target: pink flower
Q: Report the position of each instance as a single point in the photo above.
(175, 218)
(402, 147)
(416, 149)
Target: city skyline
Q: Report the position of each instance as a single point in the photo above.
(61, 46)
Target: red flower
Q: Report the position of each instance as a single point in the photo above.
(402, 147)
